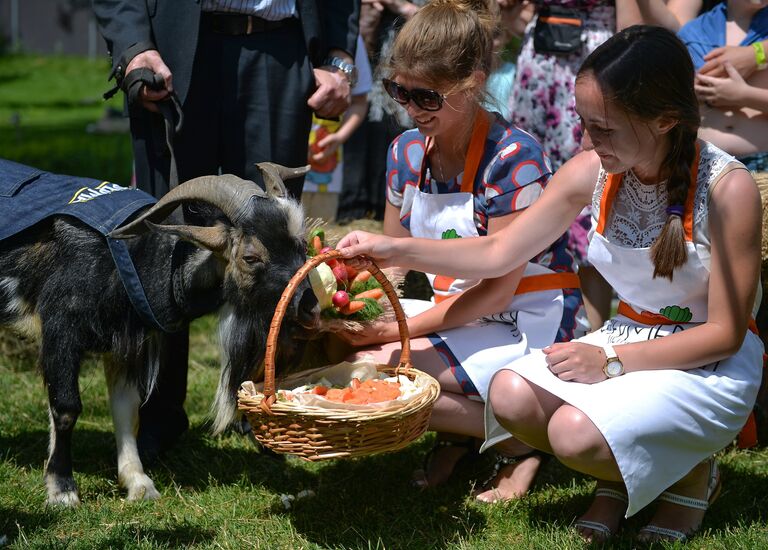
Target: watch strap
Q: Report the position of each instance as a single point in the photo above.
(610, 353)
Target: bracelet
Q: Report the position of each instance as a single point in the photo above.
(762, 61)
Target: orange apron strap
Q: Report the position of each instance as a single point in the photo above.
(648, 318)
(548, 281)
(561, 21)
(535, 283)
(613, 182)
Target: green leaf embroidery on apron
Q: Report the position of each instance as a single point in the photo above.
(450, 234)
(677, 314)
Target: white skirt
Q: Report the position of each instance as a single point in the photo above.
(484, 347)
(659, 424)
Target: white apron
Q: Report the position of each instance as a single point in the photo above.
(532, 318)
(660, 423)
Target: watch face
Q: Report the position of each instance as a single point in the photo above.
(614, 368)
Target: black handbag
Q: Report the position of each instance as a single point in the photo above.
(558, 30)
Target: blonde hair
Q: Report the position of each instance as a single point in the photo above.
(445, 43)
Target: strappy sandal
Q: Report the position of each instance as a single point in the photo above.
(420, 477)
(599, 528)
(501, 461)
(663, 533)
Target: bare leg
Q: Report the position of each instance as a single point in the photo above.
(524, 410)
(453, 414)
(684, 519)
(578, 444)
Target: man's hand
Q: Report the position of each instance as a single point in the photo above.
(576, 362)
(332, 96)
(400, 7)
(722, 92)
(741, 57)
(151, 59)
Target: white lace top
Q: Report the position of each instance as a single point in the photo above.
(638, 211)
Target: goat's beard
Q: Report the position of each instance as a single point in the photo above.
(243, 336)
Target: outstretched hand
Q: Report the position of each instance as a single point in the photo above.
(358, 247)
(576, 362)
(380, 332)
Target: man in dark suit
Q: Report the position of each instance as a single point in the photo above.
(248, 74)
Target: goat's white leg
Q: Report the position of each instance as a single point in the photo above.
(124, 401)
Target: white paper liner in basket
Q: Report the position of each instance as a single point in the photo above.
(340, 375)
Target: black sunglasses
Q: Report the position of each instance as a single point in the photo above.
(428, 100)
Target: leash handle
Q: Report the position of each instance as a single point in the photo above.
(170, 109)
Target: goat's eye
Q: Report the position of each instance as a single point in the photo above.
(252, 259)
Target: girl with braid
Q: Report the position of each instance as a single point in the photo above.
(644, 402)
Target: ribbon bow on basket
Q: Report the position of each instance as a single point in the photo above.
(318, 429)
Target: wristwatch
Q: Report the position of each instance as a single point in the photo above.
(348, 69)
(613, 366)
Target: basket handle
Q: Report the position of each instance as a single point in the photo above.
(282, 305)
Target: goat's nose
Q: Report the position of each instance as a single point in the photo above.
(309, 309)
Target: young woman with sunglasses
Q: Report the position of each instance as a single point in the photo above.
(643, 402)
(461, 173)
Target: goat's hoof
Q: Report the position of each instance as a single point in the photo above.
(143, 490)
(62, 490)
(68, 499)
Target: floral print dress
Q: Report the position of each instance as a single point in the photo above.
(542, 102)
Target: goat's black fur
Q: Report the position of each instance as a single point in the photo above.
(58, 281)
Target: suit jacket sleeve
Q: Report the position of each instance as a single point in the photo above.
(341, 24)
(122, 23)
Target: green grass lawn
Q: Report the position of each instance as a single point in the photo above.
(220, 492)
(46, 103)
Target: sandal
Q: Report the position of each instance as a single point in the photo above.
(502, 461)
(597, 527)
(656, 533)
(467, 451)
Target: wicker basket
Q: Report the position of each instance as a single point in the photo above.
(316, 433)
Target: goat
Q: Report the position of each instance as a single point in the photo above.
(58, 281)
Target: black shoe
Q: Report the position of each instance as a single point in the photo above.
(158, 434)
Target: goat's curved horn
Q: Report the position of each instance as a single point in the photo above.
(228, 193)
(275, 174)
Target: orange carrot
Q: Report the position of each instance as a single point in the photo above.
(374, 293)
(317, 244)
(352, 307)
(361, 277)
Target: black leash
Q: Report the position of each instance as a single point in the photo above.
(170, 108)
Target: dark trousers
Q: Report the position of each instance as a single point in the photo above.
(363, 192)
(247, 103)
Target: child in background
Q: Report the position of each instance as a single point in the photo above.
(322, 184)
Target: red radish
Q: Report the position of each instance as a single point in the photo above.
(351, 271)
(340, 299)
(340, 272)
(325, 249)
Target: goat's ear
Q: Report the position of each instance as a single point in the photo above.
(215, 239)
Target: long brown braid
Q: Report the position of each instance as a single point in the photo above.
(647, 72)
